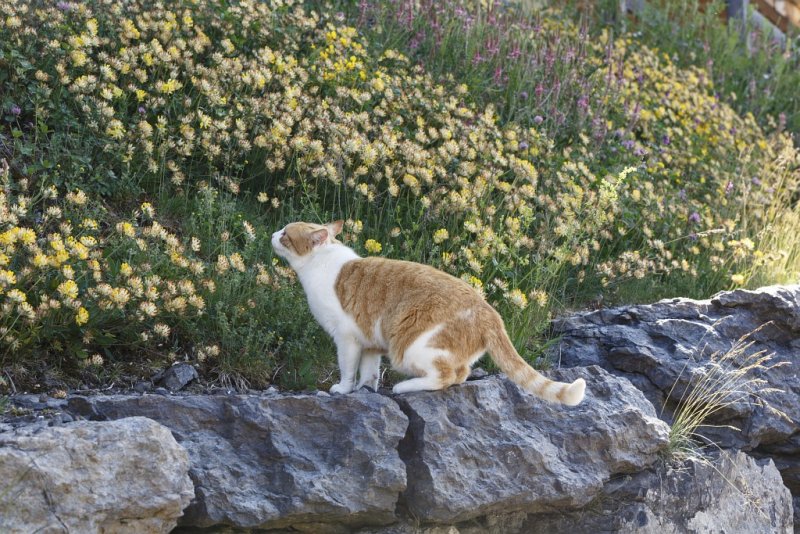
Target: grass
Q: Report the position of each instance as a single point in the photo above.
(727, 379)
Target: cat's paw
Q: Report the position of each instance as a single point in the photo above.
(341, 389)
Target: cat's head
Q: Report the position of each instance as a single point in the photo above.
(299, 240)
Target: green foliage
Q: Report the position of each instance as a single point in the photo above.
(545, 164)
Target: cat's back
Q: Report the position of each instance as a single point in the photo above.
(387, 282)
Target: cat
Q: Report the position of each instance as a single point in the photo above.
(431, 325)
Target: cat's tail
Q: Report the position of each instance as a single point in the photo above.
(511, 363)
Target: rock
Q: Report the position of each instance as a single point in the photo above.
(477, 373)
(178, 376)
(485, 447)
(732, 493)
(143, 386)
(37, 402)
(289, 461)
(125, 476)
(662, 345)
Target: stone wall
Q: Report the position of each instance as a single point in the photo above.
(475, 458)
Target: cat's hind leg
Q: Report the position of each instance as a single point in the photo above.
(420, 359)
(422, 383)
(369, 370)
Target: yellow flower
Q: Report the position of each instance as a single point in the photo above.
(78, 198)
(126, 229)
(169, 87)
(161, 330)
(115, 129)
(440, 235)
(373, 247)
(517, 298)
(82, 317)
(7, 278)
(737, 279)
(68, 289)
(125, 270)
(119, 296)
(15, 295)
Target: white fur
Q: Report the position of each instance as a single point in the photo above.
(419, 358)
(317, 272)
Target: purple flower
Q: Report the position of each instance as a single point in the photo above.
(628, 144)
(682, 194)
(142, 110)
(523, 145)
(15, 110)
(756, 181)
(523, 95)
(728, 187)
(498, 76)
(539, 91)
(492, 47)
(665, 140)
(694, 217)
(538, 119)
(65, 6)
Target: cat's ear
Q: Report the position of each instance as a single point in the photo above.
(319, 237)
(335, 227)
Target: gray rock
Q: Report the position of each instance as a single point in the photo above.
(293, 461)
(477, 373)
(178, 376)
(486, 447)
(125, 476)
(37, 402)
(659, 347)
(732, 493)
(143, 386)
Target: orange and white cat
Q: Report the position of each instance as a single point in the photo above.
(430, 324)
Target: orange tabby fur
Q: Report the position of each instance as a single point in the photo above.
(430, 324)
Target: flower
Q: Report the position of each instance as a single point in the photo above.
(372, 246)
(517, 298)
(82, 317)
(68, 289)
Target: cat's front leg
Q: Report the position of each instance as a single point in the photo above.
(348, 352)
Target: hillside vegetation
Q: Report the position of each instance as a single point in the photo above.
(149, 150)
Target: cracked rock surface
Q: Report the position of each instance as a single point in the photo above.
(121, 476)
(658, 345)
(486, 446)
(481, 457)
(278, 461)
(322, 463)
